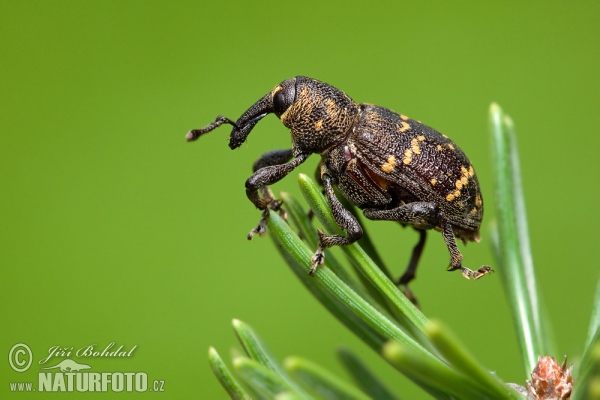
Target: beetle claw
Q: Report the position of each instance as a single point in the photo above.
(470, 274)
(484, 270)
(269, 204)
(261, 228)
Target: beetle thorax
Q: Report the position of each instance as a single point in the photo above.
(320, 117)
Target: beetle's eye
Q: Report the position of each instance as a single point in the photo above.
(283, 99)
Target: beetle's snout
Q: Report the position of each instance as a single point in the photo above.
(276, 101)
(249, 119)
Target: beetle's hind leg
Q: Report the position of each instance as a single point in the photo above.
(268, 169)
(456, 257)
(426, 215)
(343, 218)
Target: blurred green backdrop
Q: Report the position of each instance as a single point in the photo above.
(114, 229)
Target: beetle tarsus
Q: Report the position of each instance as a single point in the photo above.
(261, 228)
(470, 274)
(484, 270)
(283, 214)
(270, 204)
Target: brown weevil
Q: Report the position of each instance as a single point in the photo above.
(388, 165)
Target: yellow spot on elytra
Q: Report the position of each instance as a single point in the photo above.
(471, 172)
(473, 211)
(433, 181)
(444, 136)
(330, 105)
(439, 147)
(450, 147)
(405, 127)
(415, 146)
(464, 170)
(421, 138)
(464, 180)
(459, 184)
(407, 156)
(404, 117)
(318, 124)
(478, 201)
(450, 197)
(389, 165)
(456, 193)
(304, 92)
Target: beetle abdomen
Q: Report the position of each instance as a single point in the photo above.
(421, 161)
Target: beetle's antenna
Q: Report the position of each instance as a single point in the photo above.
(194, 134)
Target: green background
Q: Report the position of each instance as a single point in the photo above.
(114, 229)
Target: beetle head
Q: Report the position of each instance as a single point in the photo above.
(318, 115)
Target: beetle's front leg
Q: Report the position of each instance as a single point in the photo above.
(343, 218)
(275, 157)
(270, 168)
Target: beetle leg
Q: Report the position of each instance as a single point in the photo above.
(428, 215)
(319, 180)
(410, 272)
(456, 257)
(275, 157)
(271, 167)
(343, 218)
(417, 213)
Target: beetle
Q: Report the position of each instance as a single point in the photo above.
(388, 165)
